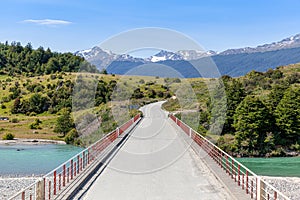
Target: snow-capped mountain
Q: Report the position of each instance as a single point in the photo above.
(103, 58)
(126, 57)
(164, 55)
(97, 56)
(291, 42)
(194, 55)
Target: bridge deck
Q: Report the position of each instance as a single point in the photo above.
(157, 162)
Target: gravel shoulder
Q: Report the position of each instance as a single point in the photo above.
(289, 186)
(11, 185)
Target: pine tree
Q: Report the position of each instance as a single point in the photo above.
(64, 122)
(288, 115)
(252, 123)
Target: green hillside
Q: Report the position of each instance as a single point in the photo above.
(26, 100)
(262, 117)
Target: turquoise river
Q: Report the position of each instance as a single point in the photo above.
(20, 160)
(282, 166)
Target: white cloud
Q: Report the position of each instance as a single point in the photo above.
(47, 22)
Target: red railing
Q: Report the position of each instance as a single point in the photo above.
(248, 181)
(53, 183)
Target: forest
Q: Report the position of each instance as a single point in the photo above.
(261, 113)
(16, 59)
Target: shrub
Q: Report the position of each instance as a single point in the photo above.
(14, 120)
(32, 114)
(8, 136)
(71, 136)
(279, 152)
(53, 76)
(295, 147)
(35, 124)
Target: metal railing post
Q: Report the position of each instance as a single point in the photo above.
(54, 183)
(59, 182)
(78, 164)
(40, 190)
(232, 163)
(262, 189)
(49, 190)
(23, 195)
(239, 175)
(247, 190)
(71, 169)
(75, 169)
(251, 191)
(64, 175)
(83, 160)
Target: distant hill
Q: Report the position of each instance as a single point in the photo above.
(233, 62)
(241, 64)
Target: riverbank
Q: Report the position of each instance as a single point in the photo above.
(30, 141)
(289, 186)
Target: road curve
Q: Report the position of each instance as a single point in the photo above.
(156, 163)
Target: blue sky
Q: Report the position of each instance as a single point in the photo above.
(70, 25)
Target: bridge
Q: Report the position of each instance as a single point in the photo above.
(156, 156)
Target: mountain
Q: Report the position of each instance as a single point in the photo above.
(97, 56)
(164, 55)
(233, 62)
(194, 55)
(291, 42)
(103, 58)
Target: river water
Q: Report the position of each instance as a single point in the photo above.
(20, 160)
(282, 166)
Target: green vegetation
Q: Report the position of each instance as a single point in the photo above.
(16, 59)
(262, 114)
(39, 104)
(35, 124)
(8, 136)
(64, 123)
(72, 137)
(252, 122)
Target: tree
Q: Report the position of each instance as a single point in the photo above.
(103, 71)
(137, 94)
(235, 93)
(38, 103)
(288, 115)
(275, 96)
(52, 66)
(64, 123)
(16, 106)
(252, 122)
(72, 137)
(152, 93)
